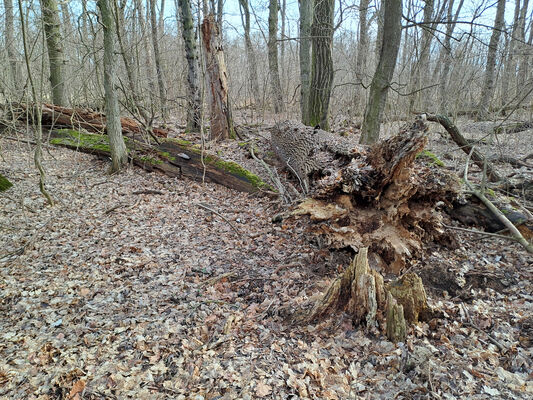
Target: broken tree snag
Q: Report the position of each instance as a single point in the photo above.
(221, 119)
(173, 157)
(361, 293)
(92, 121)
(380, 197)
(478, 158)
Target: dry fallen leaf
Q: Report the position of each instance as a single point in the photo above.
(263, 389)
(77, 388)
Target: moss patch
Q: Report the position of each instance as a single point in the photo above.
(4, 183)
(71, 137)
(235, 169)
(166, 155)
(428, 155)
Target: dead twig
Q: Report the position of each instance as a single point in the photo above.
(220, 215)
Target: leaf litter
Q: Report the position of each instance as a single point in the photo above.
(114, 295)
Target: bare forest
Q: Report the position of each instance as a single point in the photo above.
(266, 199)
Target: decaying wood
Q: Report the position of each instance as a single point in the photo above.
(478, 158)
(92, 121)
(172, 157)
(361, 293)
(513, 127)
(377, 197)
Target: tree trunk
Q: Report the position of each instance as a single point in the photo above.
(273, 68)
(487, 90)
(157, 59)
(149, 73)
(119, 155)
(191, 53)
(385, 70)
(362, 52)
(422, 65)
(523, 51)
(322, 63)
(221, 119)
(509, 70)
(52, 24)
(10, 45)
(306, 16)
(250, 53)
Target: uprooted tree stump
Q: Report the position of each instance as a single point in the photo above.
(378, 197)
(361, 293)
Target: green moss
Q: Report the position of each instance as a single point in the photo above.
(242, 144)
(429, 155)
(71, 137)
(236, 169)
(166, 155)
(151, 160)
(4, 183)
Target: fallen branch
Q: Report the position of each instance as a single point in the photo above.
(220, 215)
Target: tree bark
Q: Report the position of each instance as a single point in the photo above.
(158, 63)
(10, 45)
(487, 90)
(52, 24)
(321, 63)
(191, 53)
(273, 68)
(362, 53)
(385, 70)
(250, 53)
(119, 155)
(221, 119)
(306, 17)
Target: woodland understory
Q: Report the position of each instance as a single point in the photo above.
(139, 285)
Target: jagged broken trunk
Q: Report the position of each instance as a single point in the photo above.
(378, 197)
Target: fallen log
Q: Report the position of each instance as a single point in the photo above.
(173, 157)
(513, 127)
(378, 197)
(55, 117)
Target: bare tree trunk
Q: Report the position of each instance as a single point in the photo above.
(273, 56)
(306, 17)
(509, 70)
(523, 49)
(322, 63)
(487, 90)
(157, 59)
(146, 48)
(119, 155)
(422, 65)
(385, 70)
(221, 119)
(10, 44)
(362, 52)
(50, 15)
(191, 53)
(250, 53)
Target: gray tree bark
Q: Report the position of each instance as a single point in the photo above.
(191, 54)
(306, 17)
(250, 53)
(321, 63)
(362, 53)
(523, 51)
(52, 30)
(381, 81)
(487, 90)
(14, 76)
(119, 155)
(273, 68)
(157, 59)
(509, 69)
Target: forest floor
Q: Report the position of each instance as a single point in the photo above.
(116, 293)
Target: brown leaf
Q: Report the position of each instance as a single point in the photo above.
(77, 388)
(263, 389)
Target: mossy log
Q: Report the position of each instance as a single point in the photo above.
(361, 293)
(172, 157)
(4, 183)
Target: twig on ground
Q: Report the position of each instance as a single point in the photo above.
(220, 215)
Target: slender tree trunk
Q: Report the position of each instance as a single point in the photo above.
(509, 70)
(146, 49)
(191, 53)
(422, 64)
(273, 68)
(250, 53)
(10, 45)
(362, 52)
(523, 49)
(487, 90)
(221, 119)
(381, 81)
(52, 25)
(119, 155)
(157, 59)
(306, 17)
(447, 57)
(322, 63)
